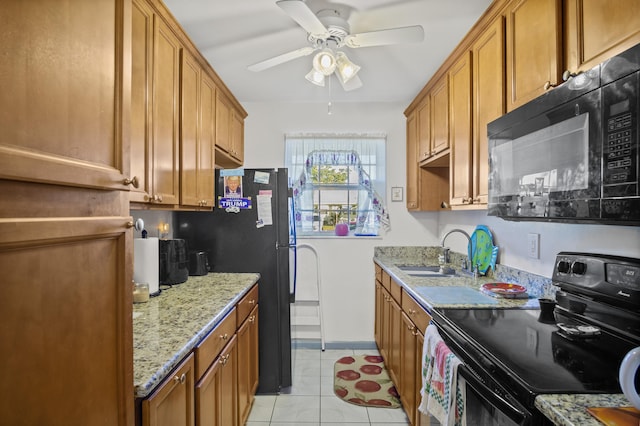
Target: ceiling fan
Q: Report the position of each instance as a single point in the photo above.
(328, 31)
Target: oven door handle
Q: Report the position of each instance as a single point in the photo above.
(517, 414)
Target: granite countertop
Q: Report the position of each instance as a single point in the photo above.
(562, 409)
(167, 327)
(571, 410)
(389, 261)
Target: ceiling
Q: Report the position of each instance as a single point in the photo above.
(235, 34)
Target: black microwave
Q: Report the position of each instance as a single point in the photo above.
(572, 154)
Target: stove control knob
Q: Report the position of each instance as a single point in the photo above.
(578, 268)
(564, 267)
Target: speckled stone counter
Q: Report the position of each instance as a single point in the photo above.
(390, 257)
(571, 410)
(168, 327)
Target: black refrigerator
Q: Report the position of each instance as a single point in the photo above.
(248, 231)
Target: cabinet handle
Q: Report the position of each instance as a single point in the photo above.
(252, 302)
(133, 181)
(180, 379)
(410, 327)
(252, 318)
(224, 336)
(548, 85)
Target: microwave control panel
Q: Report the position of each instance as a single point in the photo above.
(620, 109)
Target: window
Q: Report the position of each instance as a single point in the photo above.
(337, 179)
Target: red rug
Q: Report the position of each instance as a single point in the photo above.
(363, 380)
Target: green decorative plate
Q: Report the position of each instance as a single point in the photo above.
(481, 250)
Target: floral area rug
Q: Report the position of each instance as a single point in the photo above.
(363, 380)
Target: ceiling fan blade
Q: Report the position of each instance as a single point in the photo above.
(411, 34)
(280, 59)
(353, 84)
(300, 12)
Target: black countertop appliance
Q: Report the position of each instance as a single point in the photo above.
(248, 231)
(173, 261)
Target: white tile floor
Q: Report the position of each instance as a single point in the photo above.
(312, 401)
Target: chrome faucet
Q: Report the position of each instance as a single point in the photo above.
(445, 250)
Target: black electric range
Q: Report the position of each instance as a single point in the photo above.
(519, 353)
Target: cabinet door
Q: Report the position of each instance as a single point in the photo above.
(421, 419)
(165, 121)
(440, 116)
(223, 123)
(460, 131)
(378, 325)
(216, 393)
(237, 137)
(533, 49)
(424, 130)
(385, 335)
(65, 97)
(189, 129)
(408, 371)
(395, 328)
(206, 147)
(247, 364)
(412, 162)
(488, 98)
(172, 403)
(66, 339)
(597, 30)
(141, 86)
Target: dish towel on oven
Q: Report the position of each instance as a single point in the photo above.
(441, 395)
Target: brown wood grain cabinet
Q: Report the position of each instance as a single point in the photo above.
(172, 403)
(488, 102)
(440, 116)
(196, 134)
(216, 393)
(412, 162)
(247, 364)
(533, 49)
(400, 323)
(229, 133)
(65, 301)
(460, 130)
(424, 129)
(156, 107)
(597, 30)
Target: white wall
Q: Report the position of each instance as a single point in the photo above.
(346, 264)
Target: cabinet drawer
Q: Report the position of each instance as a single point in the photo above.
(395, 290)
(378, 273)
(386, 281)
(418, 315)
(209, 348)
(247, 303)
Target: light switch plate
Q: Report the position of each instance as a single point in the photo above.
(533, 245)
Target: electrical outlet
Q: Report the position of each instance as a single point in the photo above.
(533, 245)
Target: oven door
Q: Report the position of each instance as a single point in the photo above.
(485, 406)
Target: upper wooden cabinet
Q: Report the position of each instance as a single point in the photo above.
(440, 116)
(460, 130)
(412, 161)
(533, 37)
(424, 129)
(229, 133)
(155, 99)
(65, 101)
(597, 30)
(488, 103)
(196, 135)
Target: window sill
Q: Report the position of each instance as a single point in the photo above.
(345, 237)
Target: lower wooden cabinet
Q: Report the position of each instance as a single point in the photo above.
(216, 384)
(216, 393)
(400, 323)
(247, 364)
(171, 404)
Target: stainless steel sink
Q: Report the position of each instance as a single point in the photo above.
(426, 271)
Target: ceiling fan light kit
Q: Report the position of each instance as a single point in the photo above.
(329, 26)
